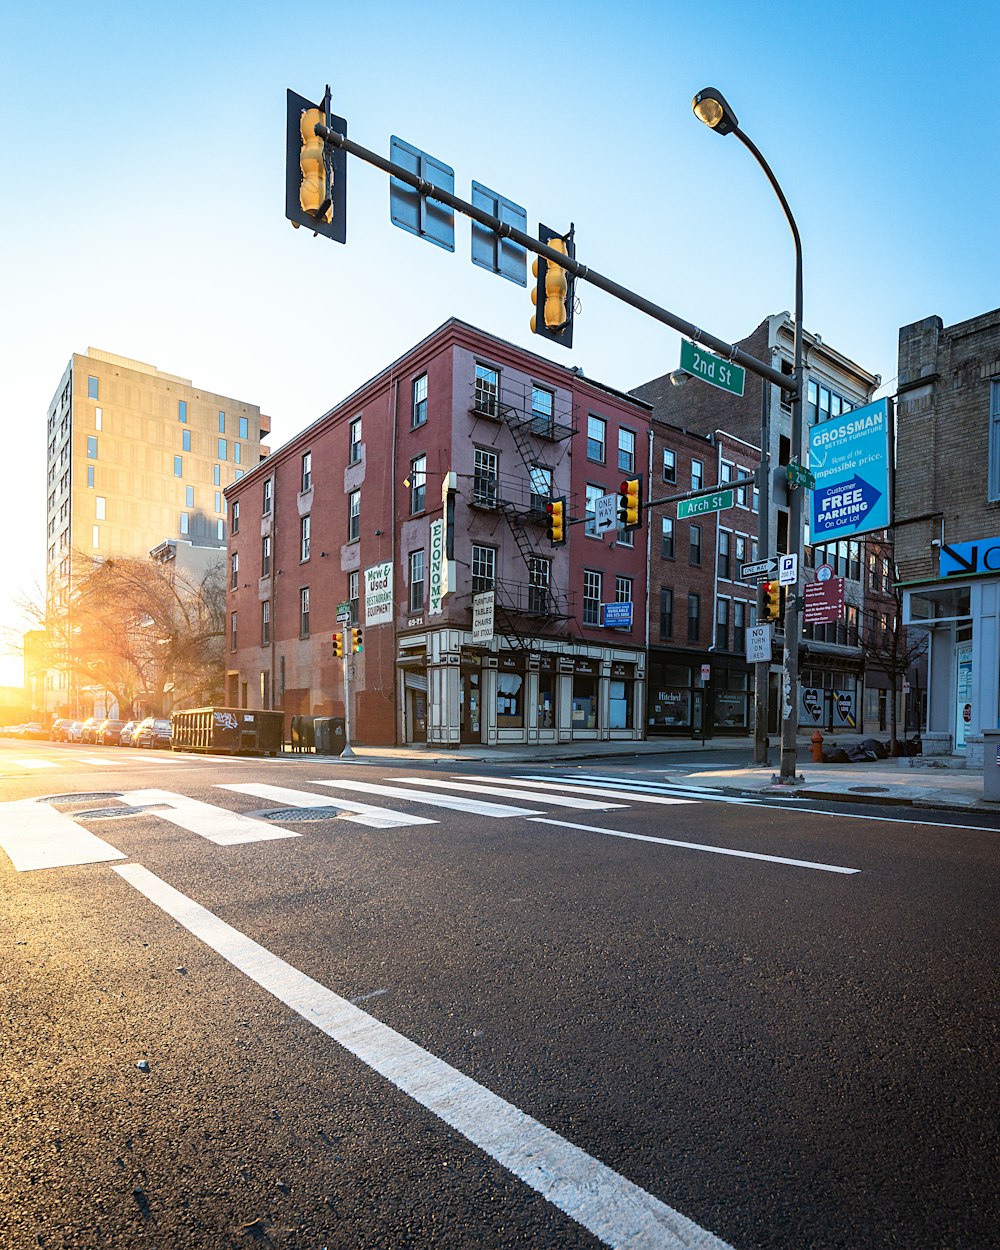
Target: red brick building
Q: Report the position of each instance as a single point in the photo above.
(424, 488)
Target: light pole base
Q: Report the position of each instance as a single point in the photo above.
(778, 780)
(347, 753)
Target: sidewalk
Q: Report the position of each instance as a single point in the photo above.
(909, 782)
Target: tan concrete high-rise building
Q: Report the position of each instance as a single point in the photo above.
(137, 457)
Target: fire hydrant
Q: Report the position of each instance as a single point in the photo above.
(816, 747)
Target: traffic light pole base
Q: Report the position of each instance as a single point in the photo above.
(778, 780)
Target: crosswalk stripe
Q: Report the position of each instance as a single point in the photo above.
(549, 784)
(504, 791)
(474, 807)
(641, 790)
(35, 835)
(217, 824)
(356, 812)
(32, 763)
(98, 763)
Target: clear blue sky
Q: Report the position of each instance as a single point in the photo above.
(143, 156)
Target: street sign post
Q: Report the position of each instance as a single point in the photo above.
(712, 369)
(759, 644)
(719, 502)
(759, 570)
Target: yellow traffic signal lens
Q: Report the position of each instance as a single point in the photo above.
(312, 187)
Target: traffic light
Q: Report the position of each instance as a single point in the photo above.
(338, 646)
(356, 642)
(771, 602)
(553, 292)
(315, 173)
(630, 504)
(556, 525)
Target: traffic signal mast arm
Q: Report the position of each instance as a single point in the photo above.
(703, 491)
(506, 231)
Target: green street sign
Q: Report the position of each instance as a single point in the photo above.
(712, 369)
(719, 502)
(798, 475)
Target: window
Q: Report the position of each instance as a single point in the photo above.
(484, 562)
(91, 447)
(232, 631)
(739, 626)
(697, 474)
(265, 623)
(237, 453)
(541, 487)
(593, 494)
(417, 581)
(244, 428)
(92, 388)
(354, 448)
(216, 474)
(234, 570)
(591, 597)
(722, 625)
(98, 418)
(95, 536)
(185, 523)
(539, 574)
(305, 534)
(597, 431)
(623, 590)
(268, 496)
(218, 501)
(626, 451)
(418, 484)
(487, 470)
(222, 423)
(666, 612)
(694, 554)
(741, 491)
(993, 479)
(724, 565)
(741, 550)
(542, 410)
(668, 538)
(223, 449)
(307, 472)
(669, 465)
(182, 411)
(419, 415)
(353, 595)
(265, 556)
(694, 617)
(487, 390)
(236, 516)
(304, 612)
(178, 466)
(188, 496)
(90, 476)
(220, 530)
(353, 515)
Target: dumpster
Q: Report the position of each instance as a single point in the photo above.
(330, 735)
(338, 735)
(228, 731)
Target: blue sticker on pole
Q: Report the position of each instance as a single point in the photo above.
(849, 457)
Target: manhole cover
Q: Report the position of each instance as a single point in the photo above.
(105, 813)
(302, 815)
(80, 798)
(869, 789)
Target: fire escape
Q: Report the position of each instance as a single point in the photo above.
(524, 610)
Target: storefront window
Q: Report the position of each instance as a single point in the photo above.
(584, 702)
(510, 703)
(546, 701)
(620, 712)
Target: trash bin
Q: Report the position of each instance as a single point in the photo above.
(323, 734)
(338, 735)
(295, 732)
(991, 764)
(307, 733)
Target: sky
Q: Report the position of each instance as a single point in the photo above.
(142, 204)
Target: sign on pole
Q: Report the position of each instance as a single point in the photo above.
(482, 617)
(712, 369)
(850, 457)
(824, 602)
(759, 644)
(759, 570)
(719, 502)
(605, 514)
(788, 570)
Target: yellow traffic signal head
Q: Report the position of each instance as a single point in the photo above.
(552, 293)
(771, 608)
(312, 164)
(556, 525)
(357, 643)
(630, 503)
(338, 646)
(315, 170)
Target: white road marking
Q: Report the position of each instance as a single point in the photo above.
(505, 792)
(218, 825)
(698, 846)
(614, 1209)
(35, 835)
(32, 763)
(636, 789)
(98, 763)
(474, 807)
(552, 783)
(886, 820)
(357, 812)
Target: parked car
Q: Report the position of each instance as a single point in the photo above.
(58, 728)
(108, 733)
(153, 732)
(90, 728)
(35, 731)
(75, 732)
(126, 732)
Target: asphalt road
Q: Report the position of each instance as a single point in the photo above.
(597, 1019)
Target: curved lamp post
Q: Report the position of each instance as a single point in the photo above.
(711, 107)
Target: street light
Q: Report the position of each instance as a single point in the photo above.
(710, 106)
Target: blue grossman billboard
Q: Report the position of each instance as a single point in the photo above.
(849, 457)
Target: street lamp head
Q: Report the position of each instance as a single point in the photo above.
(710, 107)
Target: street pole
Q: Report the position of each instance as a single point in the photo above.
(347, 753)
(762, 670)
(711, 108)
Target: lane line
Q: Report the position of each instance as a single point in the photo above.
(357, 812)
(505, 792)
(698, 846)
(34, 835)
(776, 804)
(614, 1209)
(455, 802)
(217, 824)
